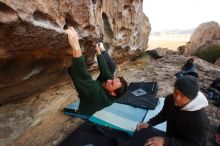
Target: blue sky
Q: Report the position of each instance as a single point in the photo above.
(180, 14)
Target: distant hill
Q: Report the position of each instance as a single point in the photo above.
(172, 32)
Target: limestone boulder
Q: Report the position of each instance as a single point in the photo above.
(206, 34)
(160, 52)
(34, 51)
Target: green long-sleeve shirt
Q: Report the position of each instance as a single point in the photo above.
(92, 95)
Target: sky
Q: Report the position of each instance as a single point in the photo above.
(180, 14)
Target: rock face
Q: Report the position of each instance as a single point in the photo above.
(34, 51)
(159, 52)
(206, 34)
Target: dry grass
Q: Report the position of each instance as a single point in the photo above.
(168, 41)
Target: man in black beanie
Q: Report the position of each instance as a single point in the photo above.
(187, 122)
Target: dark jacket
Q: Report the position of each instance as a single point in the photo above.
(92, 96)
(184, 128)
(188, 67)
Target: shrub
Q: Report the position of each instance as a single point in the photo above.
(209, 54)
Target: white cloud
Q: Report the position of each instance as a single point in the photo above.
(180, 14)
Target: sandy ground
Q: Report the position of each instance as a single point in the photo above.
(171, 42)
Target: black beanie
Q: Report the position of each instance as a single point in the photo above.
(188, 85)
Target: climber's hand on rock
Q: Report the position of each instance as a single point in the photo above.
(97, 48)
(73, 41)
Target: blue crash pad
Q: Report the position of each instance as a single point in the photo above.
(125, 117)
(69, 110)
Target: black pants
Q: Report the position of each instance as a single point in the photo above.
(110, 63)
(140, 137)
(90, 134)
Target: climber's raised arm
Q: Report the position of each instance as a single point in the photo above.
(74, 41)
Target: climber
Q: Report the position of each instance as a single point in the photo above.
(94, 95)
(187, 122)
(189, 68)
